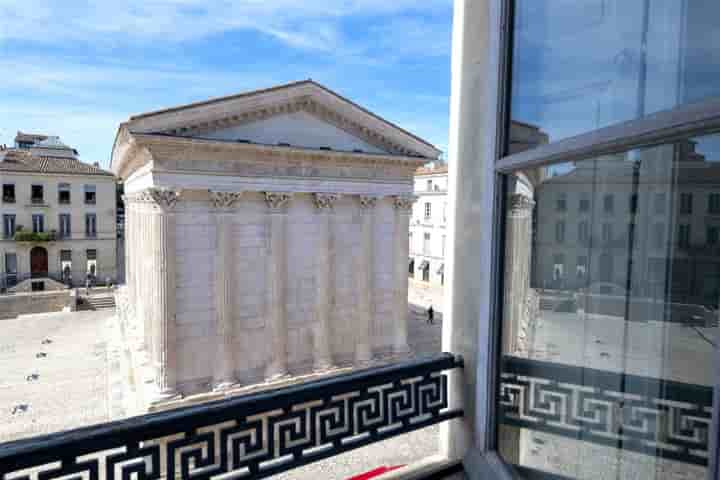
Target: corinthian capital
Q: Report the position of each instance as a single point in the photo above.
(277, 200)
(520, 204)
(220, 200)
(162, 198)
(368, 202)
(325, 201)
(404, 203)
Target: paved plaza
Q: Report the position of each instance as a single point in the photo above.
(55, 373)
(59, 371)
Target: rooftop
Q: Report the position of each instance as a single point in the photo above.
(16, 160)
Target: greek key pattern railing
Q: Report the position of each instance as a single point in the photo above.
(253, 436)
(658, 417)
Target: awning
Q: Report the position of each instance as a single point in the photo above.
(441, 270)
(424, 265)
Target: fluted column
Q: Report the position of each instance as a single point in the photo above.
(224, 365)
(163, 320)
(322, 352)
(363, 322)
(403, 209)
(518, 243)
(277, 278)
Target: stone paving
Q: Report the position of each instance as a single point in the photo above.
(54, 373)
(78, 383)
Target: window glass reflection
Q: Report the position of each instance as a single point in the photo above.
(579, 65)
(610, 328)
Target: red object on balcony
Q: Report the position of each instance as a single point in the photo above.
(375, 473)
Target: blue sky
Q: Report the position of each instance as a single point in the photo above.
(77, 69)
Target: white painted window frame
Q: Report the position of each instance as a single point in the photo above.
(474, 265)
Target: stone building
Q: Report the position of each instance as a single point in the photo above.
(428, 236)
(267, 235)
(58, 216)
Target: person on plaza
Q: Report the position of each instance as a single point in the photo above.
(430, 315)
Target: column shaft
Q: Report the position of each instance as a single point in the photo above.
(403, 209)
(325, 249)
(165, 354)
(363, 323)
(276, 285)
(224, 359)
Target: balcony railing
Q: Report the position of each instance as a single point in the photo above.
(253, 436)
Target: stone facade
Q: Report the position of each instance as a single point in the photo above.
(55, 168)
(250, 262)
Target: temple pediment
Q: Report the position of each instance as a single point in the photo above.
(299, 115)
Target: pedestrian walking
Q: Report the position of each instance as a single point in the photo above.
(430, 315)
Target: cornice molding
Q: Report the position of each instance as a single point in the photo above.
(181, 148)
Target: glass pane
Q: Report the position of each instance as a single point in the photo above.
(579, 65)
(609, 333)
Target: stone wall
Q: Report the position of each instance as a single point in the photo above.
(196, 240)
(38, 302)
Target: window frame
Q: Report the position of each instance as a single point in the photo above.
(494, 18)
(64, 187)
(90, 233)
(89, 188)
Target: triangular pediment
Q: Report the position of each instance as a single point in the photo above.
(303, 114)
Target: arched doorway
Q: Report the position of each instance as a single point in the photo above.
(38, 262)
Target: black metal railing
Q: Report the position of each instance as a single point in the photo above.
(662, 418)
(252, 436)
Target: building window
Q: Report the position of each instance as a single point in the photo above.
(427, 211)
(90, 225)
(38, 222)
(91, 266)
(429, 185)
(10, 269)
(561, 202)
(558, 272)
(659, 235)
(90, 194)
(425, 269)
(607, 232)
(660, 203)
(66, 266)
(8, 225)
(37, 194)
(64, 193)
(65, 229)
(583, 232)
(712, 235)
(411, 268)
(426, 244)
(686, 203)
(608, 203)
(8, 193)
(560, 231)
(581, 268)
(567, 413)
(584, 205)
(684, 235)
(714, 203)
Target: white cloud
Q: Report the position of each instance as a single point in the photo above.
(306, 24)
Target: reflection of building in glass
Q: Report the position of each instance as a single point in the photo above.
(609, 197)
